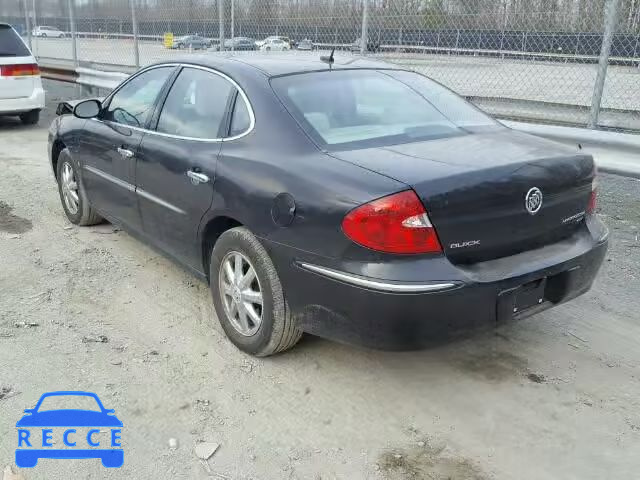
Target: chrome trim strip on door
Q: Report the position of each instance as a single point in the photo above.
(252, 118)
(111, 178)
(159, 201)
(381, 285)
(132, 188)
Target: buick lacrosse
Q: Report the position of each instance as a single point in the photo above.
(347, 198)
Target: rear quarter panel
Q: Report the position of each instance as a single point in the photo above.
(277, 157)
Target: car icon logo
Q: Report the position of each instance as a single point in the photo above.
(82, 430)
(533, 200)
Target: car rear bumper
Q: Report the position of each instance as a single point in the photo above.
(12, 106)
(410, 303)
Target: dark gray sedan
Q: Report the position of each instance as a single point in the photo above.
(363, 203)
(196, 42)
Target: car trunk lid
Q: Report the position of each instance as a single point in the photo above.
(475, 188)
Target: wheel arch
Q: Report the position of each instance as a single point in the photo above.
(211, 231)
(57, 147)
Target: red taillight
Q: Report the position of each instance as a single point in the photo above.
(20, 70)
(394, 224)
(593, 200)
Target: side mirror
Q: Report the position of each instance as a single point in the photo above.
(87, 109)
(28, 410)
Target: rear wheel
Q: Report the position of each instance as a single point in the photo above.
(30, 118)
(72, 192)
(248, 297)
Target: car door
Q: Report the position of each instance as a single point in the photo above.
(176, 167)
(108, 145)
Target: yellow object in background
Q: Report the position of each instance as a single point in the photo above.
(168, 39)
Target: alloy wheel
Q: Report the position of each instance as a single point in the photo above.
(69, 187)
(241, 293)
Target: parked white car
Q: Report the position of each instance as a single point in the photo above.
(44, 31)
(276, 44)
(21, 91)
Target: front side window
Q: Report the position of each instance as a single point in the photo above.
(132, 104)
(364, 108)
(196, 105)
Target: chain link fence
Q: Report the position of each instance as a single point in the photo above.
(574, 62)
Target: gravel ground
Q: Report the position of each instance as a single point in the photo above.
(554, 396)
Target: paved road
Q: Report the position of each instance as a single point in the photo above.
(556, 396)
(552, 82)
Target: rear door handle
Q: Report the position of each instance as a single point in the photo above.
(125, 153)
(197, 177)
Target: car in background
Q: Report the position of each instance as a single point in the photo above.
(275, 44)
(21, 92)
(240, 43)
(305, 44)
(195, 42)
(287, 40)
(371, 46)
(44, 32)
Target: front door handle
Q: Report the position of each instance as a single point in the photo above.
(197, 177)
(125, 153)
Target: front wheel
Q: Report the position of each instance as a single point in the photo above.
(248, 297)
(72, 192)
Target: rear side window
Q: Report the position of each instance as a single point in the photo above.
(240, 121)
(196, 105)
(11, 45)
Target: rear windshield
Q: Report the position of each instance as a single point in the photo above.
(11, 45)
(365, 108)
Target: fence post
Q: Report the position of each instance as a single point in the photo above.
(221, 23)
(35, 24)
(364, 35)
(72, 27)
(27, 23)
(609, 29)
(134, 26)
(233, 28)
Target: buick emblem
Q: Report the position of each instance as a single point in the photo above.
(533, 200)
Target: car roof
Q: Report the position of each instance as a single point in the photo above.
(276, 65)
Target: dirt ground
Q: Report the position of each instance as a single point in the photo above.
(556, 396)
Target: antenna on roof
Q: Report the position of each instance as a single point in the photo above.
(329, 60)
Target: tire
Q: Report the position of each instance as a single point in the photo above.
(30, 118)
(84, 214)
(44, 35)
(277, 330)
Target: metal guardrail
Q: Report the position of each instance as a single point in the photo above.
(104, 76)
(83, 76)
(625, 146)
